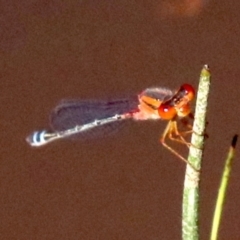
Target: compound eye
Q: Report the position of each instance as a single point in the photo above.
(166, 111)
(189, 91)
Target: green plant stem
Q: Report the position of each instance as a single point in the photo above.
(192, 177)
(222, 190)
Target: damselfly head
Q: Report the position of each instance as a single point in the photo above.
(167, 110)
(183, 110)
(178, 105)
(187, 91)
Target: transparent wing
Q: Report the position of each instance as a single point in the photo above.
(70, 113)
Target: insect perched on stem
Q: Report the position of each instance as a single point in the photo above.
(91, 118)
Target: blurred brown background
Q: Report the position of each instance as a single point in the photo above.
(126, 186)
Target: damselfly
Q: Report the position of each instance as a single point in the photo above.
(81, 118)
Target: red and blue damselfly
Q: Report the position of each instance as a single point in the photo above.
(90, 118)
